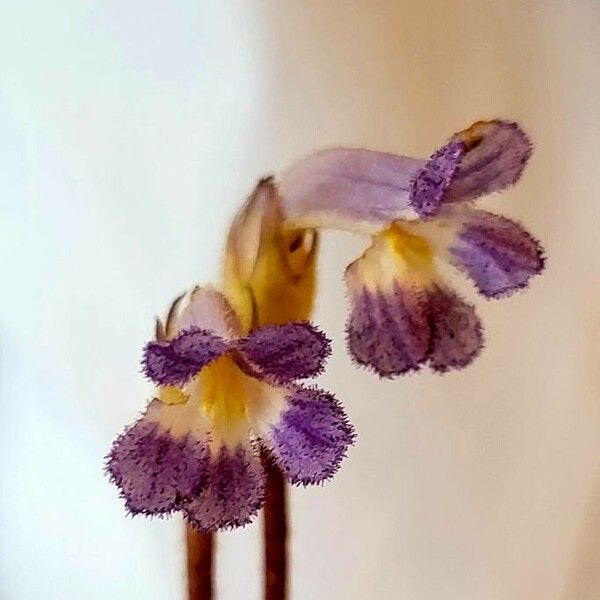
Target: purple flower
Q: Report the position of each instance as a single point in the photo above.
(221, 398)
(402, 314)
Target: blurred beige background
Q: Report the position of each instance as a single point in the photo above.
(129, 133)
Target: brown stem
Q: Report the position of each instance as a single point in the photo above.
(275, 520)
(199, 564)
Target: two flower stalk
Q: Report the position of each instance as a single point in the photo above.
(229, 366)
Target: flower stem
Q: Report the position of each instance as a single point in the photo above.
(200, 549)
(275, 533)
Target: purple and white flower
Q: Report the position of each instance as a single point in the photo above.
(402, 314)
(222, 397)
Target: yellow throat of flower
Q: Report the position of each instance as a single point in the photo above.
(396, 255)
(225, 390)
(222, 391)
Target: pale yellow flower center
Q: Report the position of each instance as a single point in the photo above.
(223, 389)
(396, 255)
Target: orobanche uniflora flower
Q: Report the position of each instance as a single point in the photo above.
(221, 396)
(402, 314)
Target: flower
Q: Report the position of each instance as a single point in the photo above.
(402, 313)
(221, 399)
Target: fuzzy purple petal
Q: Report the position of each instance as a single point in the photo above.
(388, 332)
(312, 436)
(234, 492)
(176, 361)
(456, 335)
(155, 472)
(286, 352)
(497, 153)
(432, 181)
(348, 185)
(496, 253)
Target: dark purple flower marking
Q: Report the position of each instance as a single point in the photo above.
(456, 334)
(432, 181)
(287, 352)
(155, 472)
(176, 361)
(312, 436)
(234, 492)
(388, 332)
(398, 332)
(496, 253)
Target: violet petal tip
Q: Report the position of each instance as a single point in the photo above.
(156, 473)
(432, 181)
(176, 361)
(233, 494)
(312, 437)
(287, 352)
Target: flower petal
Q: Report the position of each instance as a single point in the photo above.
(176, 361)
(388, 332)
(234, 492)
(487, 157)
(432, 181)
(456, 335)
(496, 157)
(397, 333)
(498, 254)
(286, 352)
(208, 309)
(156, 467)
(311, 437)
(348, 188)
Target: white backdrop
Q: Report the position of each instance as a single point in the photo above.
(129, 133)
